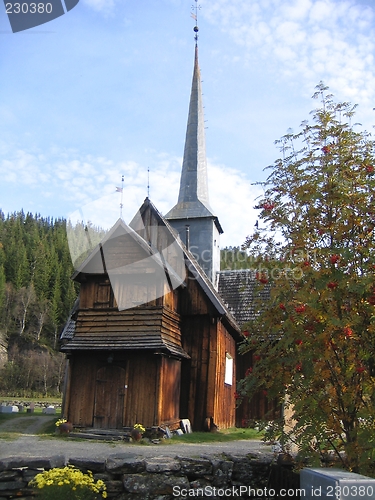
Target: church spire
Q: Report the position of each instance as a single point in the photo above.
(192, 215)
(193, 198)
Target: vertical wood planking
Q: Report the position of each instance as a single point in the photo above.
(171, 369)
(67, 387)
(224, 415)
(212, 371)
(141, 397)
(82, 391)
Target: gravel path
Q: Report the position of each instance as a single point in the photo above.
(30, 445)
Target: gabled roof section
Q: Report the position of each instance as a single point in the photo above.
(150, 224)
(101, 259)
(133, 266)
(193, 200)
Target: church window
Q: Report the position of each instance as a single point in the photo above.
(103, 295)
(228, 379)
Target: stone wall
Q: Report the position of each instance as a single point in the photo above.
(160, 478)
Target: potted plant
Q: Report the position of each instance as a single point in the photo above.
(137, 432)
(63, 426)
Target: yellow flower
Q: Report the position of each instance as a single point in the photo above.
(60, 421)
(139, 427)
(68, 477)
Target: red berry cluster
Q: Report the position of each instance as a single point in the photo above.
(348, 332)
(334, 258)
(332, 285)
(371, 299)
(261, 277)
(268, 205)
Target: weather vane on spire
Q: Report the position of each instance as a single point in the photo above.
(194, 15)
(121, 190)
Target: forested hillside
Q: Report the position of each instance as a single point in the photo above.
(235, 258)
(36, 294)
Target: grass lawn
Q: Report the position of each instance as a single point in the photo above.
(47, 401)
(233, 434)
(18, 425)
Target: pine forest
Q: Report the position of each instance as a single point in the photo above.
(36, 295)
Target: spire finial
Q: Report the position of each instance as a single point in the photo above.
(148, 182)
(194, 15)
(122, 194)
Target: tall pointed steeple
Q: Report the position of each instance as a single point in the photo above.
(193, 208)
(193, 200)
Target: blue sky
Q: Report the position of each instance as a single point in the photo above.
(103, 91)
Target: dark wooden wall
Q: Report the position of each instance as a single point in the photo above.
(224, 403)
(153, 390)
(259, 406)
(205, 338)
(96, 293)
(137, 387)
(80, 398)
(169, 390)
(196, 342)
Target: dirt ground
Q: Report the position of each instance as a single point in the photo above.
(26, 443)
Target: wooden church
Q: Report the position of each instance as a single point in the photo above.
(150, 339)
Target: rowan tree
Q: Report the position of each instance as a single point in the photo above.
(314, 338)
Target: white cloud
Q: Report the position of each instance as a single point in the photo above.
(232, 197)
(88, 184)
(305, 40)
(296, 10)
(322, 11)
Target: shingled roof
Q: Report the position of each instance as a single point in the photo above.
(236, 288)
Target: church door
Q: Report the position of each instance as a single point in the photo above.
(109, 397)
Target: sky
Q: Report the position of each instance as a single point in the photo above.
(103, 92)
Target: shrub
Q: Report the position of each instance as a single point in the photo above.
(68, 483)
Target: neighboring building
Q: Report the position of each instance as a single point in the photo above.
(237, 288)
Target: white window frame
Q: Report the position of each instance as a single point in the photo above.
(228, 377)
